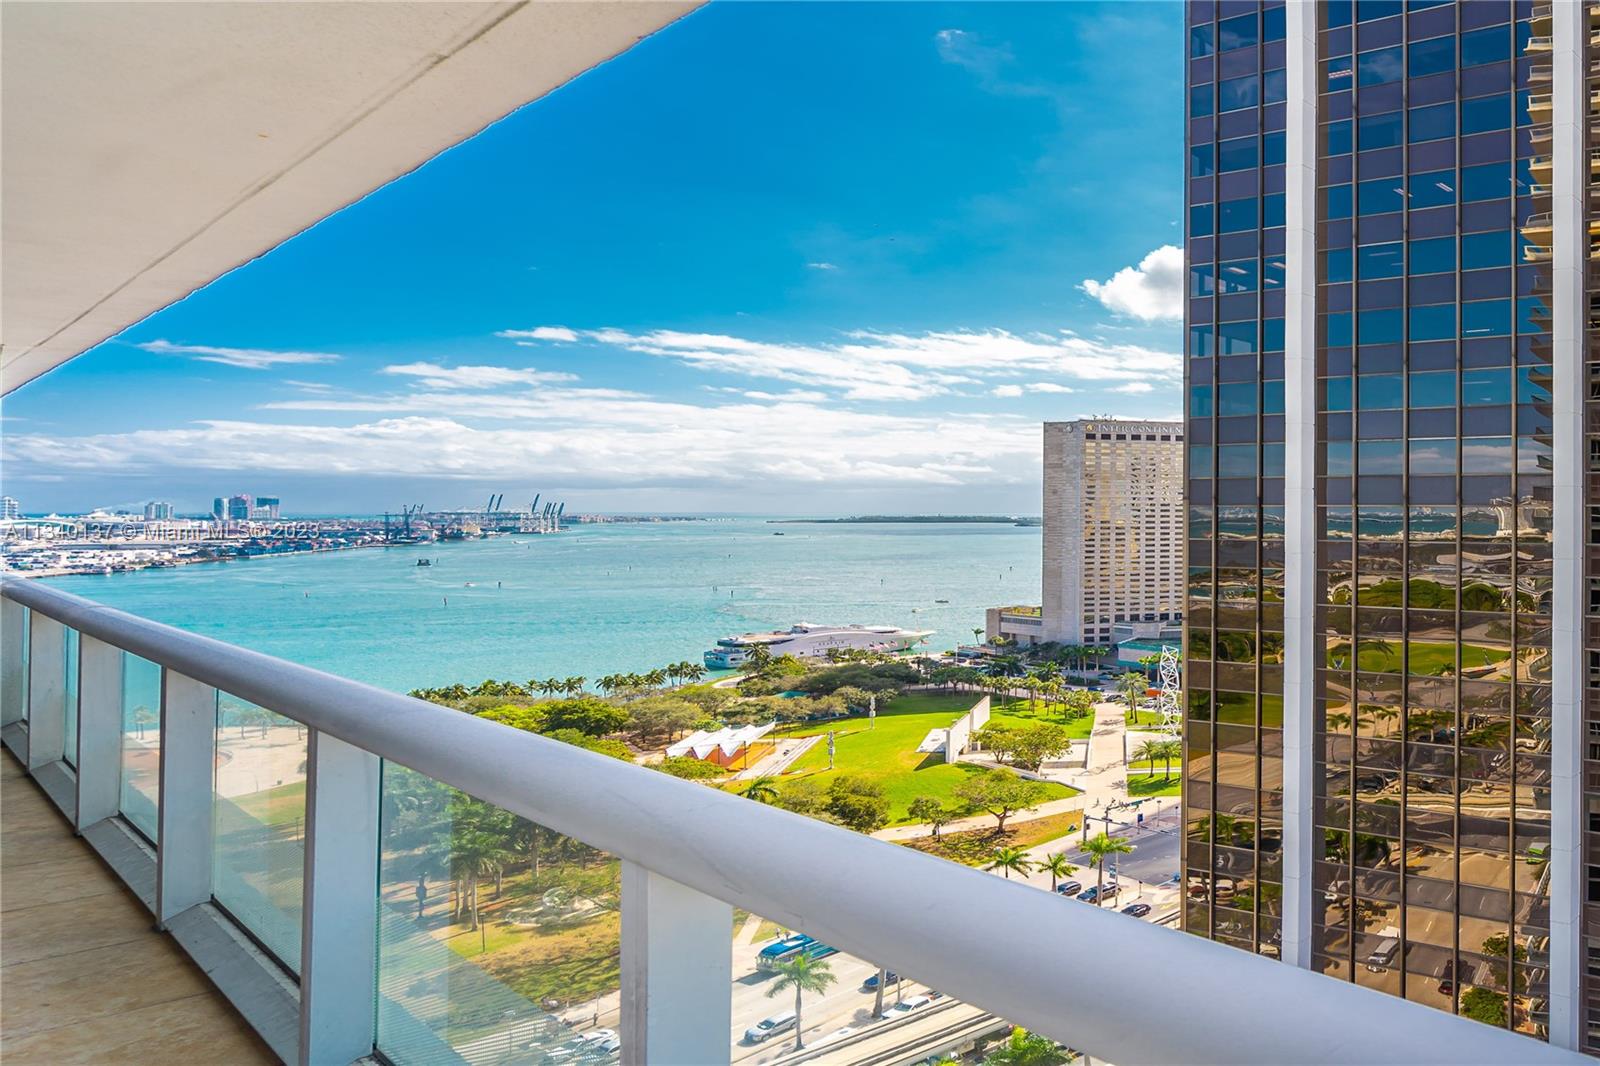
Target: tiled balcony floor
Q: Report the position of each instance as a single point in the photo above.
(84, 978)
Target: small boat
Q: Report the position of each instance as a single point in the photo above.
(777, 534)
(470, 585)
(424, 562)
(941, 601)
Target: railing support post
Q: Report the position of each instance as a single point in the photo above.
(677, 972)
(99, 755)
(339, 916)
(47, 690)
(13, 678)
(188, 769)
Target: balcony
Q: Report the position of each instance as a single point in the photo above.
(283, 806)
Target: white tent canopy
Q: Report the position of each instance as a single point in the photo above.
(730, 740)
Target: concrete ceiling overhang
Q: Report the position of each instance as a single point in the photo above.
(148, 148)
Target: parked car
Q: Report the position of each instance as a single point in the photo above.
(1138, 910)
(910, 1004)
(1447, 979)
(871, 983)
(767, 1028)
(587, 1046)
(1070, 888)
(1099, 893)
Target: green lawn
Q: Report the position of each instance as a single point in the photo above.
(1428, 658)
(281, 805)
(1155, 784)
(1027, 712)
(1145, 720)
(888, 754)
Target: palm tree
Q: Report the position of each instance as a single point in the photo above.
(1166, 751)
(763, 789)
(1008, 859)
(1099, 848)
(1134, 685)
(609, 683)
(1148, 751)
(655, 678)
(1058, 867)
(693, 671)
(803, 973)
(758, 657)
(573, 686)
(475, 855)
(143, 718)
(550, 686)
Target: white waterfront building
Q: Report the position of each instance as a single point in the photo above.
(806, 640)
(1113, 530)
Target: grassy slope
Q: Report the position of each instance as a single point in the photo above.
(888, 752)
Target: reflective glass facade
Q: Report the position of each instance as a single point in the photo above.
(1235, 433)
(1430, 713)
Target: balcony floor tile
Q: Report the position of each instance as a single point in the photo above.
(84, 977)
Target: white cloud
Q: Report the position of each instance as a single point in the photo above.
(969, 51)
(435, 376)
(560, 334)
(247, 358)
(1136, 388)
(823, 266)
(580, 441)
(1050, 386)
(1007, 390)
(868, 365)
(1150, 291)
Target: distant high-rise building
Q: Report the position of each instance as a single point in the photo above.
(219, 508)
(1391, 277)
(239, 508)
(9, 507)
(157, 511)
(266, 507)
(1113, 530)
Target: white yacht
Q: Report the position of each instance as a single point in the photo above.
(807, 640)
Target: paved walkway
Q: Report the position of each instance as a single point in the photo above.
(784, 752)
(84, 978)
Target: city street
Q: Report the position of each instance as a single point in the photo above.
(844, 1005)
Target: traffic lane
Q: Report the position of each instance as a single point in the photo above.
(844, 1004)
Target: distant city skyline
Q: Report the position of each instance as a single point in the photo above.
(697, 279)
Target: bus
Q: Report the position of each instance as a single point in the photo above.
(788, 947)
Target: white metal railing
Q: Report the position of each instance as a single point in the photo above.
(1119, 989)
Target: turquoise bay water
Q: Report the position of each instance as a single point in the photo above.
(593, 600)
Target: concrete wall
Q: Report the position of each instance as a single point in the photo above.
(958, 738)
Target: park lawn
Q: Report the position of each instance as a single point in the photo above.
(568, 962)
(887, 753)
(1143, 719)
(1156, 784)
(282, 805)
(1428, 658)
(1025, 713)
(977, 847)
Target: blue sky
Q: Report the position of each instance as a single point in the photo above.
(799, 258)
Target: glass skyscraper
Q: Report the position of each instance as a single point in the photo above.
(1389, 521)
